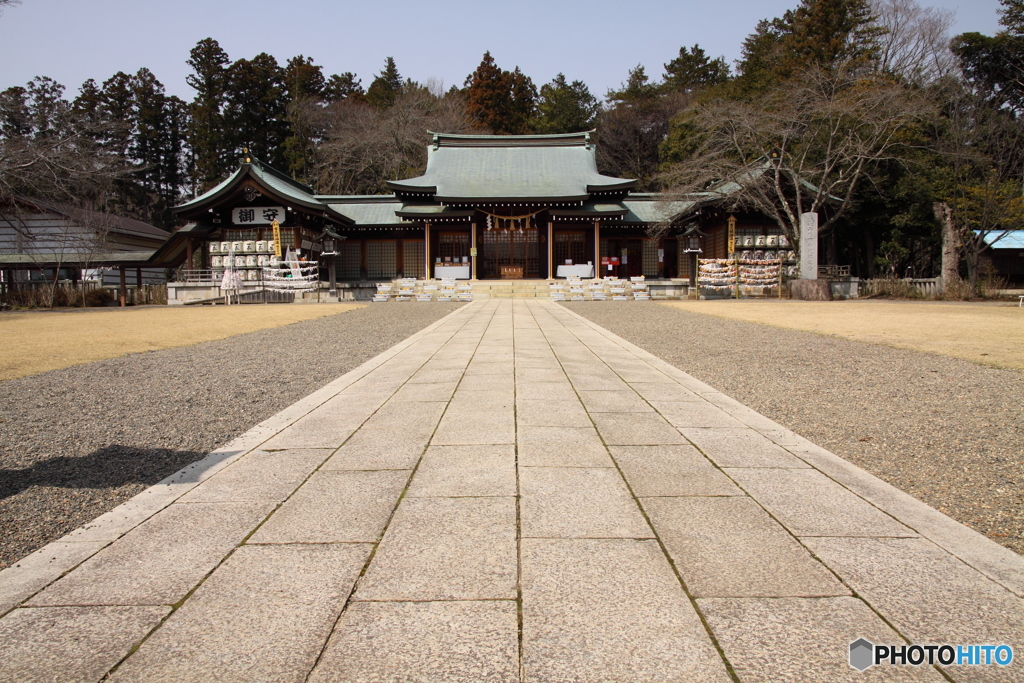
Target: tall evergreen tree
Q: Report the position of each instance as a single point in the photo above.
(694, 70)
(638, 90)
(831, 34)
(207, 136)
(504, 101)
(632, 126)
(303, 78)
(117, 102)
(15, 119)
(256, 108)
(762, 54)
(994, 65)
(386, 87)
(565, 107)
(340, 87)
(156, 148)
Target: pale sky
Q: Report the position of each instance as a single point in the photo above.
(597, 41)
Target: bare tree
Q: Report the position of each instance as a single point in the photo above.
(361, 147)
(915, 42)
(806, 147)
(8, 3)
(981, 147)
(630, 135)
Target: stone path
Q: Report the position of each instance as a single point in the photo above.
(512, 494)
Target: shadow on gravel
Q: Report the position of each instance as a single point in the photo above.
(108, 467)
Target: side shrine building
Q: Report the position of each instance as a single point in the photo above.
(487, 207)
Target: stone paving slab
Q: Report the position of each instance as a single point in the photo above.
(270, 476)
(512, 494)
(264, 615)
(740, 447)
(577, 502)
(671, 470)
(51, 644)
(160, 561)
(730, 547)
(609, 610)
(446, 549)
(453, 471)
(457, 642)
(336, 506)
(796, 639)
(928, 595)
(810, 504)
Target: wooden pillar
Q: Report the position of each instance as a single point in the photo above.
(188, 255)
(551, 249)
(597, 250)
(364, 268)
(426, 249)
(472, 246)
(332, 274)
(138, 278)
(122, 290)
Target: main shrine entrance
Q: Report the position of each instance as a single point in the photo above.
(510, 252)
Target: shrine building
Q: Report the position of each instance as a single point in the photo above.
(487, 207)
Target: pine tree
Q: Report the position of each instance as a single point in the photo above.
(205, 131)
(343, 86)
(761, 54)
(385, 88)
(565, 107)
(636, 91)
(994, 65)
(694, 70)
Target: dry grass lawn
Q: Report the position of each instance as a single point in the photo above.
(37, 341)
(988, 333)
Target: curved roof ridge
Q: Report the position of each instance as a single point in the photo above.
(581, 139)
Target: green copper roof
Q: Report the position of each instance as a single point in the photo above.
(598, 210)
(653, 208)
(270, 180)
(513, 168)
(366, 210)
(428, 211)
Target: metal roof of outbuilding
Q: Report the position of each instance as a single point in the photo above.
(998, 239)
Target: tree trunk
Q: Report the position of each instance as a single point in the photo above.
(950, 250)
(973, 254)
(869, 245)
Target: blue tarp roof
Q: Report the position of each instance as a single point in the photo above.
(999, 239)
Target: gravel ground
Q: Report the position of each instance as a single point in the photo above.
(947, 431)
(77, 442)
